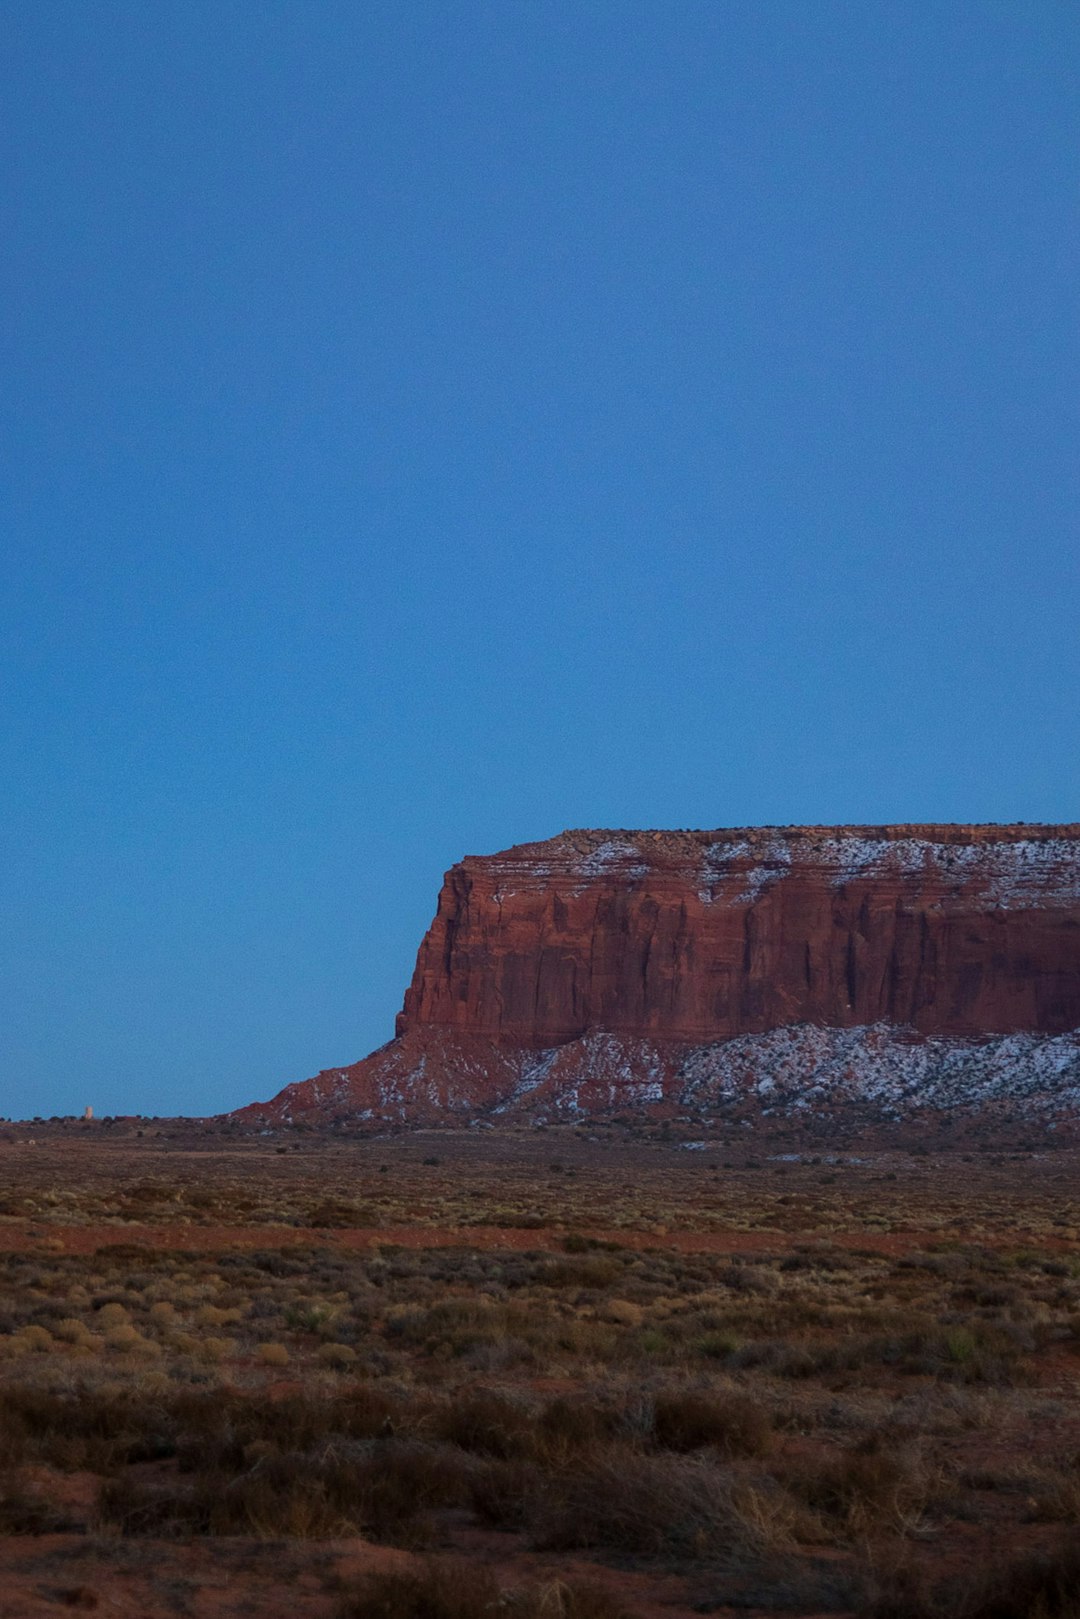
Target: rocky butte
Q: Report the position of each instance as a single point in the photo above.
(784, 969)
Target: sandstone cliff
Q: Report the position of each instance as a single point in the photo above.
(611, 960)
(703, 935)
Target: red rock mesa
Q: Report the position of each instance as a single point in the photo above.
(592, 970)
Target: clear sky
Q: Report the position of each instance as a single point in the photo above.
(428, 426)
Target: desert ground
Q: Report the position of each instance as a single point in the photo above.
(579, 1372)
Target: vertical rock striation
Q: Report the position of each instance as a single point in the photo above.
(699, 936)
(605, 963)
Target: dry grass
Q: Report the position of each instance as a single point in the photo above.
(744, 1418)
(452, 1589)
(1044, 1585)
(665, 1507)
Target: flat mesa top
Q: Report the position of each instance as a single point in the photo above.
(1012, 865)
(584, 841)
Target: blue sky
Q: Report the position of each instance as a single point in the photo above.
(428, 427)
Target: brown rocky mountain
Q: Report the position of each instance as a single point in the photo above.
(902, 966)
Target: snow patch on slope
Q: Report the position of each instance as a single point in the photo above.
(737, 868)
(1012, 875)
(805, 1067)
(1029, 871)
(738, 873)
(615, 854)
(799, 1071)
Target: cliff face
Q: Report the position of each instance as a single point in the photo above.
(699, 936)
(787, 969)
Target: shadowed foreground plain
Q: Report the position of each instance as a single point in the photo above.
(566, 1373)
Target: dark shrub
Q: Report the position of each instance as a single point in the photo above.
(450, 1589)
(731, 1423)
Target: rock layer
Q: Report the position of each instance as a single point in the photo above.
(699, 936)
(795, 968)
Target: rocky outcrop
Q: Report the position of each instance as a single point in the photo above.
(597, 963)
(804, 1073)
(703, 935)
